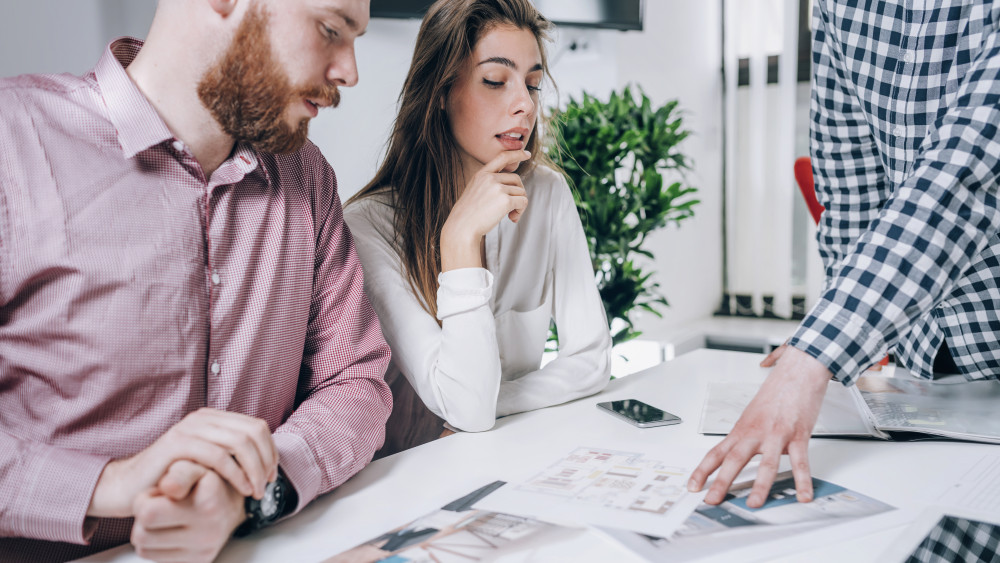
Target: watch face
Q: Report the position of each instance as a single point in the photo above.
(269, 502)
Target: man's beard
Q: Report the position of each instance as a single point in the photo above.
(248, 92)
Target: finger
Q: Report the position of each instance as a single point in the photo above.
(518, 203)
(766, 472)
(176, 537)
(512, 167)
(514, 216)
(162, 555)
(261, 434)
(512, 183)
(774, 356)
(213, 457)
(798, 454)
(735, 461)
(711, 462)
(154, 511)
(143, 506)
(243, 448)
(505, 159)
(181, 478)
(248, 439)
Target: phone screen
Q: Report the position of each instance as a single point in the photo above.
(639, 411)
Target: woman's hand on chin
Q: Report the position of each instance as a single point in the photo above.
(490, 195)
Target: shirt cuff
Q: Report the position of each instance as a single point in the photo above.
(463, 290)
(297, 461)
(56, 493)
(840, 340)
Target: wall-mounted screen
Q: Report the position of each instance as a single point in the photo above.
(608, 14)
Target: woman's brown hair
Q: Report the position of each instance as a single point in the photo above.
(422, 171)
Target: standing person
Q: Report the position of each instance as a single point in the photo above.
(465, 273)
(906, 154)
(184, 336)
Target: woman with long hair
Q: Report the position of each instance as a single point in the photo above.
(471, 243)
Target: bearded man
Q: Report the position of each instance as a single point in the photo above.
(185, 346)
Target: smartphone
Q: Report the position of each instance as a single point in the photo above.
(639, 413)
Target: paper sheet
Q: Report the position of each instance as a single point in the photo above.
(761, 545)
(604, 487)
(964, 410)
(716, 530)
(726, 400)
(454, 533)
(977, 488)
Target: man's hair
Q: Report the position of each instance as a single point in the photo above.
(422, 168)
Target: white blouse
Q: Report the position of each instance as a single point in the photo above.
(483, 360)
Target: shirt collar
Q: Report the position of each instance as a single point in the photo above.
(138, 124)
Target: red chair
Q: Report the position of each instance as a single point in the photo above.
(804, 178)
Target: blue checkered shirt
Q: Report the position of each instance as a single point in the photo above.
(906, 155)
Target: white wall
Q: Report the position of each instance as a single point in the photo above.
(353, 136)
(676, 56)
(53, 36)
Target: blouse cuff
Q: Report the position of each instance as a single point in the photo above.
(463, 290)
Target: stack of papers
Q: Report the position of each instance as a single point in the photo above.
(878, 407)
(638, 502)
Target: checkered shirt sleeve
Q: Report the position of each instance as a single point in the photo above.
(904, 145)
(958, 539)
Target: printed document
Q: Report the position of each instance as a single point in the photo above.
(878, 406)
(782, 525)
(454, 533)
(603, 487)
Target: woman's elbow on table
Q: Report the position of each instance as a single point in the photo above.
(478, 421)
(600, 374)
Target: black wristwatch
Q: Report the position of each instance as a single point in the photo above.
(279, 498)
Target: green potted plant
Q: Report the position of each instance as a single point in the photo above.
(622, 160)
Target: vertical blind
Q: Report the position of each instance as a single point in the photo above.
(760, 150)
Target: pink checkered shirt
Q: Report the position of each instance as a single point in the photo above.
(133, 291)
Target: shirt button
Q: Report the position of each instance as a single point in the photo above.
(216, 368)
(898, 131)
(178, 146)
(908, 57)
(216, 278)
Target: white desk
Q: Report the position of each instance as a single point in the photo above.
(397, 489)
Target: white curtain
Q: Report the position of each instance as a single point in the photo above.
(761, 130)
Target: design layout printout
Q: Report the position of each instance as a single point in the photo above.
(732, 525)
(604, 487)
(454, 533)
(781, 508)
